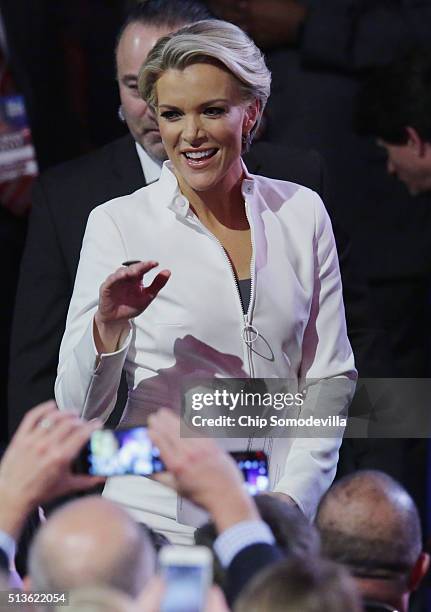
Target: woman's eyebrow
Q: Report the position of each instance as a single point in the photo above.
(169, 106)
(206, 103)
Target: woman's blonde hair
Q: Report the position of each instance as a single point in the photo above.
(210, 41)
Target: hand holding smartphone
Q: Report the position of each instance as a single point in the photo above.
(120, 452)
(130, 451)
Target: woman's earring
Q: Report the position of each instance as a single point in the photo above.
(246, 141)
(121, 116)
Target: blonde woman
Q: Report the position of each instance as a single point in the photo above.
(250, 284)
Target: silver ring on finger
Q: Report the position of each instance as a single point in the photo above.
(45, 423)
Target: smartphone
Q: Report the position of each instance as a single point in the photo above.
(187, 573)
(254, 467)
(130, 451)
(119, 452)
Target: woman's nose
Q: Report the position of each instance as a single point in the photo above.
(193, 133)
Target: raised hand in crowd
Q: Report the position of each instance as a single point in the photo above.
(36, 466)
(202, 472)
(123, 296)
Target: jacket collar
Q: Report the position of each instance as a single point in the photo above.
(167, 189)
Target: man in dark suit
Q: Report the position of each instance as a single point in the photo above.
(65, 196)
(31, 66)
(62, 201)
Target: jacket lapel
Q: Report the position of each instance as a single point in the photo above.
(126, 167)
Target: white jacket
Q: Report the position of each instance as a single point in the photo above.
(196, 323)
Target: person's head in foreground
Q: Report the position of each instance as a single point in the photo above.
(91, 542)
(145, 24)
(97, 599)
(208, 85)
(369, 523)
(394, 107)
(293, 533)
(304, 585)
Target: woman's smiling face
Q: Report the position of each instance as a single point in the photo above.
(202, 119)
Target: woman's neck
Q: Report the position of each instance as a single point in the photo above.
(221, 205)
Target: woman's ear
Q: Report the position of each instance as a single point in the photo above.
(251, 116)
(419, 571)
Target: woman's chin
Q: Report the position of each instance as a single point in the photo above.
(200, 182)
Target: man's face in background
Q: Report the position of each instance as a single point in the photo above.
(404, 162)
(135, 44)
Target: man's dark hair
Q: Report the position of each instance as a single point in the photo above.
(166, 13)
(396, 96)
(293, 533)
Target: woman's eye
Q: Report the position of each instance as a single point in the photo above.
(214, 111)
(133, 89)
(170, 115)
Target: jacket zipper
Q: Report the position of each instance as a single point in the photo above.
(249, 330)
(248, 333)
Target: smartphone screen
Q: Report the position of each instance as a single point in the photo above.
(186, 589)
(122, 451)
(187, 577)
(130, 451)
(254, 466)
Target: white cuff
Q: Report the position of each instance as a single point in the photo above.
(240, 536)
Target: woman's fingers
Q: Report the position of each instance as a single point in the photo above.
(140, 268)
(134, 271)
(158, 283)
(164, 432)
(124, 295)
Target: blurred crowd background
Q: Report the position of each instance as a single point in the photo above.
(59, 56)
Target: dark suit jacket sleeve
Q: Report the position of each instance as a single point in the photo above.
(373, 357)
(369, 342)
(355, 34)
(246, 564)
(40, 311)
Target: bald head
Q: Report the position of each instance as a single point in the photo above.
(369, 522)
(89, 542)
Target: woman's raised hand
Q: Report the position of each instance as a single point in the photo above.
(123, 296)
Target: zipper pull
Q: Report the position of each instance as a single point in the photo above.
(249, 332)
